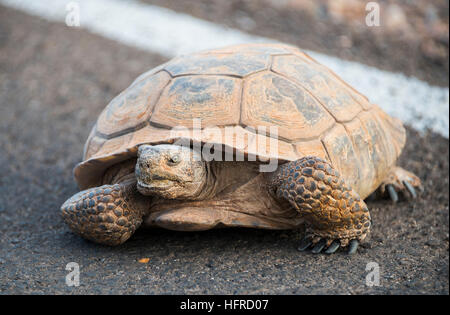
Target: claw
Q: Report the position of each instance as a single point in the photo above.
(392, 193)
(410, 188)
(353, 247)
(319, 246)
(333, 247)
(304, 244)
(421, 189)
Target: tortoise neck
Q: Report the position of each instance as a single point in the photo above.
(224, 177)
(120, 172)
(209, 185)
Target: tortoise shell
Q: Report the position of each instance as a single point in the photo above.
(248, 87)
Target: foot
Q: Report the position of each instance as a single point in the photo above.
(108, 215)
(327, 246)
(400, 181)
(336, 215)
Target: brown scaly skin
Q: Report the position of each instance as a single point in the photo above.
(335, 213)
(108, 215)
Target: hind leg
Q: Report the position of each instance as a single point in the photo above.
(108, 215)
(400, 181)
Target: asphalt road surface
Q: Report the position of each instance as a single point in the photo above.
(54, 81)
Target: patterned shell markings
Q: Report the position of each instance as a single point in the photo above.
(131, 108)
(250, 85)
(212, 84)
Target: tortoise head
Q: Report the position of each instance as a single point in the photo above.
(170, 172)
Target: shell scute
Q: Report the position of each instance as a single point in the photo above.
(131, 108)
(363, 147)
(312, 148)
(238, 64)
(330, 92)
(271, 100)
(93, 145)
(375, 145)
(215, 100)
(342, 154)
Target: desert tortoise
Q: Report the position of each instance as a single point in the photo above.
(185, 146)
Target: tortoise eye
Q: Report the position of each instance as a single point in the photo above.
(174, 160)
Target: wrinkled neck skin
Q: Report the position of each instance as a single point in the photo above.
(192, 181)
(202, 190)
(227, 176)
(223, 177)
(120, 173)
(207, 189)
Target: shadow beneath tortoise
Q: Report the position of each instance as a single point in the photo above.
(212, 241)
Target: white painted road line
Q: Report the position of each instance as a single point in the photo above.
(170, 33)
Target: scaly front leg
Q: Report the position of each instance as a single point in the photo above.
(109, 214)
(335, 213)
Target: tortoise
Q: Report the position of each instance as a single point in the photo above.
(253, 135)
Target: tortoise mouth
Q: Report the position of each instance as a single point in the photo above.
(155, 185)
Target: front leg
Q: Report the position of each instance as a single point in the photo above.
(108, 215)
(335, 214)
